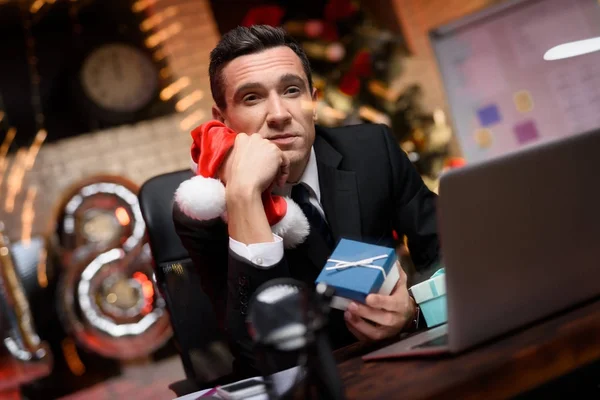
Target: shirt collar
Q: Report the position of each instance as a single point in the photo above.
(310, 177)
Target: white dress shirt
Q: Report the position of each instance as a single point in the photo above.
(265, 255)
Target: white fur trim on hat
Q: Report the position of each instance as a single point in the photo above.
(201, 198)
(293, 227)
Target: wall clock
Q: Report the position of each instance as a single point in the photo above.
(119, 78)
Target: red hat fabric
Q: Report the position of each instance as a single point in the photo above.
(212, 142)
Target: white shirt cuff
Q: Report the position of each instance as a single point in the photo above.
(262, 255)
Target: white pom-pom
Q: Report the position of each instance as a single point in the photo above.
(294, 227)
(201, 198)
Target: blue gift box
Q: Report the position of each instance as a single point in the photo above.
(357, 269)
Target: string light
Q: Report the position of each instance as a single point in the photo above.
(8, 139)
(174, 88)
(34, 149)
(155, 41)
(158, 18)
(32, 61)
(25, 159)
(15, 180)
(141, 5)
(164, 34)
(36, 6)
(189, 100)
(28, 216)
(188, 122)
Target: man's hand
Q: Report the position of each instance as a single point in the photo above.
(382, 316)
(252, 167)
(254, 164)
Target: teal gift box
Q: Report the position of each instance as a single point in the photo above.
(357, 269)
(430, 295)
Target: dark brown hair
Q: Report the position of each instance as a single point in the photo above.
(243, 41)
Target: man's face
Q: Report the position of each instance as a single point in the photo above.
(268, 93)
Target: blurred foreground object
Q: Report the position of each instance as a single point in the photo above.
(24, 357)
(288, 324)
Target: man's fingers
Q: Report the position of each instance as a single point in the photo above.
(357, 334)
(364, 328)
(377, 315)
(284, 170)
(394, 302)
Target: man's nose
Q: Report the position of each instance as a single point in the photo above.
(279, 116)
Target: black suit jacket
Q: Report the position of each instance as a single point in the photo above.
(368, 189)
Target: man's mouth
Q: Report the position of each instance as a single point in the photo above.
(283, 139)
(282, 136)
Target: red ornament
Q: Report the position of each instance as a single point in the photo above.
(263, 15)
(339, 9)
(360, 69)
(330, 33)
(455, 162)
(362, 64)
(350, 84)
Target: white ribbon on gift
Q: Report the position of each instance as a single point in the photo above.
(366, 263)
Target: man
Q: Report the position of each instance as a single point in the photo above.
(354, 181)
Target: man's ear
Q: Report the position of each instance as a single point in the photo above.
(217, 114)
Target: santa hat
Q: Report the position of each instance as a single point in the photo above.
(202, 197)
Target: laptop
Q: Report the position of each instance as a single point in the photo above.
(520, 236)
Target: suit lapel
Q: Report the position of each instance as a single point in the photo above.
(339, 193)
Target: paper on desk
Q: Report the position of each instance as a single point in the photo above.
(282, 381)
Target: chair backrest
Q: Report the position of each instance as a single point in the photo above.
(192, 316)
(156, 203)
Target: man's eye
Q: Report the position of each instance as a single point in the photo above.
(292, 90)
(250, 98)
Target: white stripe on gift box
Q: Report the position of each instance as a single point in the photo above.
(429, 289)
(386, 288)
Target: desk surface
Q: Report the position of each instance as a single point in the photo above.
(510, 365)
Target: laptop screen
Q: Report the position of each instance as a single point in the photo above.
(501, 92)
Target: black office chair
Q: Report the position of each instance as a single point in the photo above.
(202, 350)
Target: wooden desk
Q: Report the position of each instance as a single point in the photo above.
(503, 368)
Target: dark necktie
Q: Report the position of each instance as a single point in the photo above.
(301, 196)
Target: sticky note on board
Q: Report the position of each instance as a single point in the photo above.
(523, 101)
(484, 138)
(526, 132)
(489, 115)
